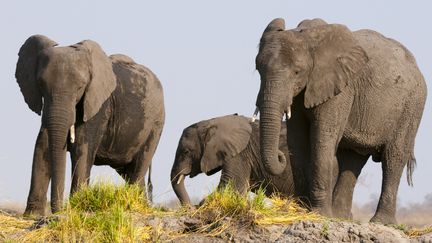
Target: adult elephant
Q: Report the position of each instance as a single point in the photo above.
(231, 144)
(358, 91)
(103, 110)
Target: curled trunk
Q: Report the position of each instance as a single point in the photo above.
(271, 109)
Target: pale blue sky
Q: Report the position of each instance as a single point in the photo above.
(203, 53)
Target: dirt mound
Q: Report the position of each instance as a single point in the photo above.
(176, 228)
(186, 229)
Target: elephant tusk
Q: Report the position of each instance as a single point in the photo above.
(181, 177)
(72, 134)
(255, 114)
(288, 114)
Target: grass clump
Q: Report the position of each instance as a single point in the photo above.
(98, 213)
(226, 203)
(104, 196)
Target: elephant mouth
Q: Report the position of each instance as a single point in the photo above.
(215, 170)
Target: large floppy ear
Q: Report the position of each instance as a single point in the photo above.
(337, 59)
(225, 138)
(103, 80)
(25, 72)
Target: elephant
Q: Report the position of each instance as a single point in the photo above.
(103, 110)
(353, 94)
(231, 144)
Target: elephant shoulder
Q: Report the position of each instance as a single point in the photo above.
(124, 66)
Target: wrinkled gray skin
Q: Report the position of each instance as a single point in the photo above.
(359, 93)
(231, 144)
(115, 105)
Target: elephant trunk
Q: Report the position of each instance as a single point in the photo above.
(58, 122)
(177, 183)
(271, 110)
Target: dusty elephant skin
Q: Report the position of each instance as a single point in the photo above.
(231, 144)
(103, 110)
(358, 93)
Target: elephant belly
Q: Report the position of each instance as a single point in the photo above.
(137, 115)
(374, 120)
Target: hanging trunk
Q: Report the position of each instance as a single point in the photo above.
(180, 190)
(179, 170)
(58, 123)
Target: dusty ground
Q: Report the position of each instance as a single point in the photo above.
(172, 228)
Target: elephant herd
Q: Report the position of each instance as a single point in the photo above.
(347, 96)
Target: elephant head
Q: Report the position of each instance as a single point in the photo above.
(316, 58)
(205, 146)
(63, 84)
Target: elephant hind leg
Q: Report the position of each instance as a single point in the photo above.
(392, 168)
(136, 171)
(350, 166)
(396, 155)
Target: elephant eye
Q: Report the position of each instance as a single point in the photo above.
(297, 71)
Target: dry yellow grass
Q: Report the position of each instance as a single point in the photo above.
(105, 212)
(226, 203)
(13, 226)
(415, 232)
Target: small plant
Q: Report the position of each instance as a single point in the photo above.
(325, 229)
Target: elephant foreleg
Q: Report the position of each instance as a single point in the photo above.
(40, 177)
(83, 154)
(322, 173)
(327, 126)
(350, 166)
(237, 172)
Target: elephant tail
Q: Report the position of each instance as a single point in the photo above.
(149, 186)
(410, 169)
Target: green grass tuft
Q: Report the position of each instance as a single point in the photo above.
(98, 213)
(104, 196)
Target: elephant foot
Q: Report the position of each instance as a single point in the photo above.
(342, 214)
(341, 210)
(383, 219)
(34, 213)
(324, 211)
(34, 210)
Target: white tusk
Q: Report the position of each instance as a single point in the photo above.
(72, 134)
(255, 114)
(288, 114)
(181, 177)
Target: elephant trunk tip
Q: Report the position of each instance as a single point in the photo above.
(277, 167)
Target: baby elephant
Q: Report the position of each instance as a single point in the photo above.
(231, 144)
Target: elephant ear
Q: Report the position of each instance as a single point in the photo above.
(103, 80)
(337, 59)
(225, 138)
(26, 70)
